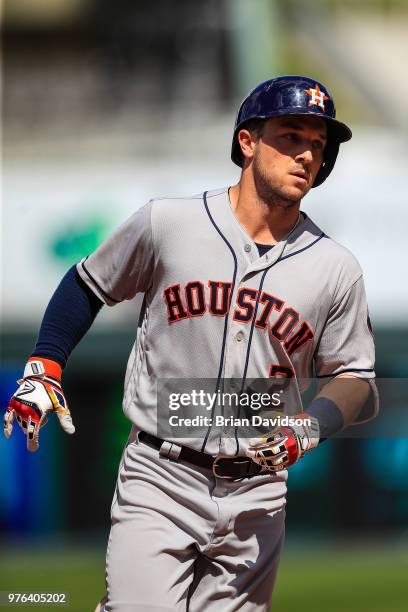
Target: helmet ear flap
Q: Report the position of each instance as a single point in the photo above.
(329, 159)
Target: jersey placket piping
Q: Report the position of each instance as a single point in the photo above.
(244, 374)
(224, 339)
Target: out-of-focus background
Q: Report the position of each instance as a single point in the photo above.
(108, 104)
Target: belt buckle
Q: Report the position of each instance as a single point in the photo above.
(214, 469)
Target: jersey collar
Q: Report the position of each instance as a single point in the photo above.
(303, 236)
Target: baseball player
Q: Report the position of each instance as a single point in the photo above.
(238, 284)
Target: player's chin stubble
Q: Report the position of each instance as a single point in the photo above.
(270, 194)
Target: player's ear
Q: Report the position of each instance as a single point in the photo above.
(247, 140)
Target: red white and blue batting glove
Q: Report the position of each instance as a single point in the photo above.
(39, 393)
(282, 447)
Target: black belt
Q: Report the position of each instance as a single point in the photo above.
(222, 467)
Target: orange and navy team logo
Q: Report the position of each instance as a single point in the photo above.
(317, 97)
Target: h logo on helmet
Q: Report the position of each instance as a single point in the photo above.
(317, 97)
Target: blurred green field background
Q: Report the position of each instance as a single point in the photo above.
(356, 578)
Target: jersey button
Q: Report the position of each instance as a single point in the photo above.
(240, 336)
(247, 248)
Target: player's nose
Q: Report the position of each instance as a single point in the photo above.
(305, 156)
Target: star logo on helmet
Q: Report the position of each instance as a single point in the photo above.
(317, 97)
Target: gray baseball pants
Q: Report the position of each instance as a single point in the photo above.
(183, 540)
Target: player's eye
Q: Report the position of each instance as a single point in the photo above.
(318, 145)
(291, 137)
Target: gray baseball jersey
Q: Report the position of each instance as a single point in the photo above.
(215, 308)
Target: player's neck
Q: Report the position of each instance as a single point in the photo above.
(264, 224)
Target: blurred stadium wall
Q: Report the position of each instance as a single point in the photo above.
(106, 107)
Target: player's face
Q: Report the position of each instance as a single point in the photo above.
(287, 158)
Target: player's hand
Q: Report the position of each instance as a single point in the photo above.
(39, 393)
(283, 446)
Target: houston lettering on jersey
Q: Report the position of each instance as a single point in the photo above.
(283, 322)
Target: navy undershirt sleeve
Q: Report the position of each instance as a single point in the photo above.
(69, 314)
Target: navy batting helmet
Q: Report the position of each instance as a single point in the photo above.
(293, 95)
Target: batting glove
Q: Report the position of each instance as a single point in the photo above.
(282, 447)
(39, 393)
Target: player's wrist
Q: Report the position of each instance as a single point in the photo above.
(41, 367)
(307, 432)
(328, 415)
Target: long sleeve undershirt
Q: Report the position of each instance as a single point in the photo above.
(69, 314)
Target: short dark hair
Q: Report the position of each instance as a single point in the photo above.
(255, 125)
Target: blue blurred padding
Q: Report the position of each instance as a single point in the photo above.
(30, 499)
(385, 462)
